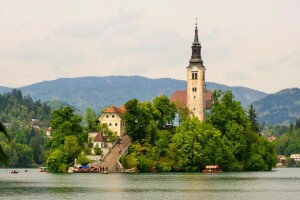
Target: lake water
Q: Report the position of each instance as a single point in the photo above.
(283, 183)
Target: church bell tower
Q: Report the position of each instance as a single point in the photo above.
(196, 81)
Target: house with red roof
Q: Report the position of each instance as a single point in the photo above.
(113, 116)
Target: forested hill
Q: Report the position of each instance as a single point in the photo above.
(25, 122)
(4, 89)
(14, 107)
(282, 107)
(99, 92)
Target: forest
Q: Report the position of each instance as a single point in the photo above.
(25, 121)
(230, 136)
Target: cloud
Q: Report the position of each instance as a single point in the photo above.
(47, 50)
(122, 24)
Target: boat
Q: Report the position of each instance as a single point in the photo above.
(43, 169)
(14, 172)
(212, 169)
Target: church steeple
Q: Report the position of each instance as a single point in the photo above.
(196, 48)
(196, 81)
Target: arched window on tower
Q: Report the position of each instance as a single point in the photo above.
(194, 75)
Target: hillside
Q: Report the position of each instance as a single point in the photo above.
(99, 92)
(282, 107)
(4, 89)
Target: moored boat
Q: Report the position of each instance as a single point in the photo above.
(14, 172)
(212, 169)
(43, 169)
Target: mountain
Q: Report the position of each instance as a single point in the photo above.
(4, 89)
(282, 107)
(100, 92)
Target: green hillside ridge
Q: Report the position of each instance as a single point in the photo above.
(100, 92)
(282, 107)
(25, 121)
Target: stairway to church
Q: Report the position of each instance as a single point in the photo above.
(112, 158)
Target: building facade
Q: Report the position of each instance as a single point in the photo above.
(196, 81)
(196, 98)
(113, 117)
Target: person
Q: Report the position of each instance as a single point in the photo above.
(120, 150)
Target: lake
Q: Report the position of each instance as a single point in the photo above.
(281, 183)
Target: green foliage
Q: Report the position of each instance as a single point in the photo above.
(229, 139)
(68, 138)
(279, 108)
(289, 142)
(97, 150)
(57, 161)
(64, 123)
(137, 118)
(164, 111)
(143, 119)
(103, 127)
(253, 119)
(3, 156)
(27, 140)
(13, 105)
(83, 160)
(91, 120)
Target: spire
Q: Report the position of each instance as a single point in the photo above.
(196, 40)
(196, 48)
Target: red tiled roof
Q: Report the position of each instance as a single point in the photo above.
(115, 109)
(99, 138)
(179, 97)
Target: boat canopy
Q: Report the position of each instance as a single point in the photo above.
(212, 167)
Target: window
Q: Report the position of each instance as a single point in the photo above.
(116, 124)
(194, 89)
(194, 97)
(113, 116)
(106, 116)
(109, 124)
(194, 75)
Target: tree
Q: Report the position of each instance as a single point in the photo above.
(137, 117)
(3, 156)
(64, 123)
(298, 123)
(253, 119)
(195, 145)
(97, 150)
(91, 120)
(164, 111)
(83, 160)
(57, 161)
(229, 117)
(68, 138)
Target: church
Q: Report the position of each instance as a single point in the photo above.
(196, 98)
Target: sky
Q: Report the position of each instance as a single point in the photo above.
(250, 43)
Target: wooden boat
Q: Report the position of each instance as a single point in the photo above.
(43, 169)
(14, 172)
(212, 169)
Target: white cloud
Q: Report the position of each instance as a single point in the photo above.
(251, 43)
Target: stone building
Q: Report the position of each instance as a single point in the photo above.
(196, 98)
(113, 116)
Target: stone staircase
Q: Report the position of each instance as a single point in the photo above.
(112, 159)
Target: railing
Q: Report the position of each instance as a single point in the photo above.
(124, 153)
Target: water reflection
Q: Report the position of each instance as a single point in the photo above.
(279, 184)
